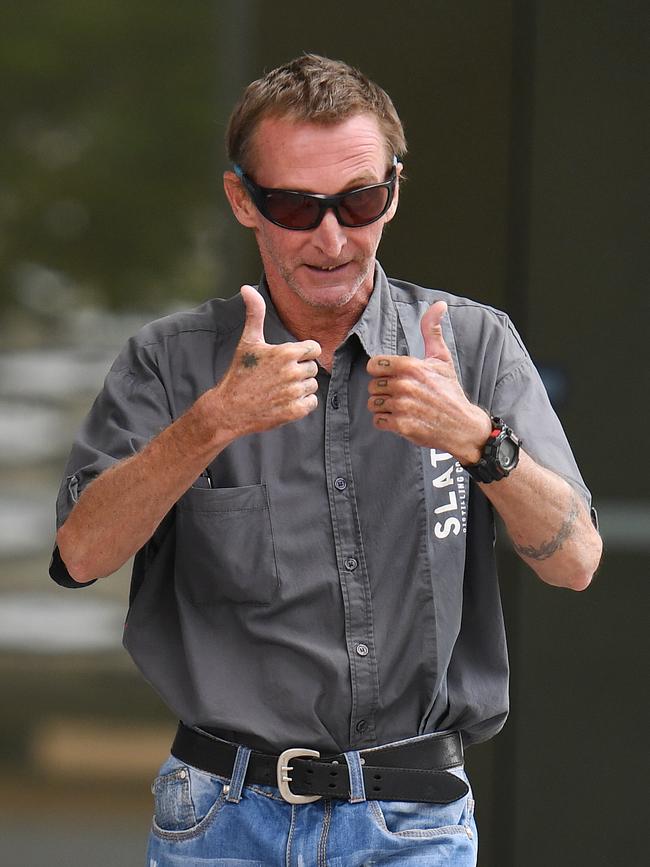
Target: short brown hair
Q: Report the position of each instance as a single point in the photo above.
(315, 89)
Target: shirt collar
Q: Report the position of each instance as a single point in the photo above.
(377, 325)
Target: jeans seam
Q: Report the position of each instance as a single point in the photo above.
(322, 843)
(292, 828)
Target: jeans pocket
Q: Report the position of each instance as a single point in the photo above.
(414, 819)
(224, 546)
(173, 807)
(186, 800)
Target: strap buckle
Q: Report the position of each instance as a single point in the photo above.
(283, 768)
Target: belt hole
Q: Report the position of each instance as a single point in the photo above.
(334, 773)
(332, 786)
(378, 776)
(310, 770)
(376, 788)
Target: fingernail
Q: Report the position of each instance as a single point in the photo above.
(382, 383)
(383, 362)
(379, 401)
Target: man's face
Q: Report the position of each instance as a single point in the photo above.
(329, 266)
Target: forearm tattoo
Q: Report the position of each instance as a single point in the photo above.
(547, 549)
(249, 360)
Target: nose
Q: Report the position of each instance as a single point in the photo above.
(329, 236)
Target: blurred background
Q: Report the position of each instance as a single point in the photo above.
(528, 142)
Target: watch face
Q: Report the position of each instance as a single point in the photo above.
(507, 454)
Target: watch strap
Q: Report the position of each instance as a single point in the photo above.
(489, 468)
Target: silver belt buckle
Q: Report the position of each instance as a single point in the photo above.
(283, 768)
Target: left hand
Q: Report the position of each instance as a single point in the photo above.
(422, 399)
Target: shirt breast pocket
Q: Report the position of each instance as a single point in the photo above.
(224, 546)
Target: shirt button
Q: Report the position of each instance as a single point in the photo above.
(335, 401)
(340, 484)
(351, 563)
(362, 649)
(361, 726)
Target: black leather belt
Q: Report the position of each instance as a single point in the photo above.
(412, 770)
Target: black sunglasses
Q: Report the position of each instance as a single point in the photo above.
(290, 209)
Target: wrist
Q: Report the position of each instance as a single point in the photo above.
(207, 422)
(481, 428)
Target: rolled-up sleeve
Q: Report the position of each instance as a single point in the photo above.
(131, 409)
(521, 399)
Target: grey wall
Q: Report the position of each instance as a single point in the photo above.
(578, 713)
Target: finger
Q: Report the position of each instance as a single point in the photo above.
(255, 311)
(391, 366)
(382, 365)
(303, 406)
(379, 386)
(308, 369)
(299, 390)
(384, 422)
(308, 349)
(310, 386)
(387, 366)
(379, 404)
(431, 328)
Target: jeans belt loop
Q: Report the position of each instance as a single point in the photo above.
(357, 787)
(238, 774)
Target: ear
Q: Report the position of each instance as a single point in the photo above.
(240, 202)
(390, 213)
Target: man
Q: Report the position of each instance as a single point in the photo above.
(307, 474)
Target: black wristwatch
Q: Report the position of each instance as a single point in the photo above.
(500, 454)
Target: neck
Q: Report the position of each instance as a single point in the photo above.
(328, 326)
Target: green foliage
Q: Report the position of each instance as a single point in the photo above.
(110, 151)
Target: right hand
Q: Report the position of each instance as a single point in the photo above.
(266, 385)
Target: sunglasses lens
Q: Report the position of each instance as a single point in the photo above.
(304, 211)
(291, 210)
(363, 206)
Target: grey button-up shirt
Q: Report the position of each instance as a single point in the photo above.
(336, 587)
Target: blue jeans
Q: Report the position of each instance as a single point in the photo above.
(202, 819)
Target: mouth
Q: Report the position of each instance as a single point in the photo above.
(327, 269)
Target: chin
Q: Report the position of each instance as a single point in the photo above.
(330, 297)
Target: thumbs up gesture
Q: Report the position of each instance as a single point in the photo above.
(431, 328)
(422, 399)
(266, 385)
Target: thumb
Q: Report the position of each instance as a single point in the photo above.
(434, 342)
(255, 311)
